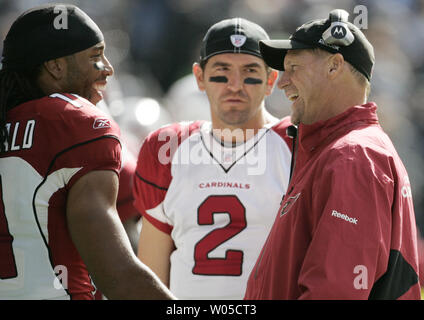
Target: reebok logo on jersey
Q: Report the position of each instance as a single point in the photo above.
(339, 215)
(101, 123)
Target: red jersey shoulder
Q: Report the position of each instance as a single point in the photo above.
(155, 157)
(180, 131)
(281, 129)
(63, 129)
(169, 137)
(77, 115)
(73, 109)
(59, 121)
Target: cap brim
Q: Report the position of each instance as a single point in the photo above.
(274, 51)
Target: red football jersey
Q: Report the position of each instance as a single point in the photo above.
(52, 142)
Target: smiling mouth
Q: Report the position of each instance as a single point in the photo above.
(100, 86)
(293, 97)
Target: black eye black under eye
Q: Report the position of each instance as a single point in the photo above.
(220, 79)
(253, 81)
(224, 79)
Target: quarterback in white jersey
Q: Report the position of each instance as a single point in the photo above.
(209, 191)
(217, 203)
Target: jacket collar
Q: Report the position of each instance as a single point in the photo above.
(311, 136)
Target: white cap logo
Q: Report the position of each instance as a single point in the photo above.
(238, 40)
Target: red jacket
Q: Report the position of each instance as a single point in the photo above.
(346, 228)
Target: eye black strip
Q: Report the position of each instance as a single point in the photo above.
(220, 79)
(252, 81)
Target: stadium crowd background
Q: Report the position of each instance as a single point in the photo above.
(153, 43)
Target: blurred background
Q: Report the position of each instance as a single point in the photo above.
(152, 45)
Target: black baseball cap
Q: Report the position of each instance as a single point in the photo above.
(236, 35)
(48, 32)
(360, 53)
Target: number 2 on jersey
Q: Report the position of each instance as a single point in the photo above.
(7, 260)
(231, 264)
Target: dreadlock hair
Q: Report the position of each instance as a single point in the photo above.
(16, 87)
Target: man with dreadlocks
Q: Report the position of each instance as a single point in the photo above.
(59, 165)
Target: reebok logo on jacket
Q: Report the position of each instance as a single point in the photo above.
(336, 214)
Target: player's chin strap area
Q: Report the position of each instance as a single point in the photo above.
(292, 133)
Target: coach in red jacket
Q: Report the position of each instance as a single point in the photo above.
(346, 228)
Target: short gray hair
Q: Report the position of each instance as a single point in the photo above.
(362, 80)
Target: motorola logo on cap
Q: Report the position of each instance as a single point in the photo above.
(238, 40)
(338, 32)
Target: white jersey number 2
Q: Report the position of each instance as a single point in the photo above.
(231, 264)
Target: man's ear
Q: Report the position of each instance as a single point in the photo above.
(199, 75)
(56, 68)
(335, 65)
(272, 78)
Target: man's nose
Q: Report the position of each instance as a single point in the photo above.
(108, 68)
(235, 82)
(283, 80)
